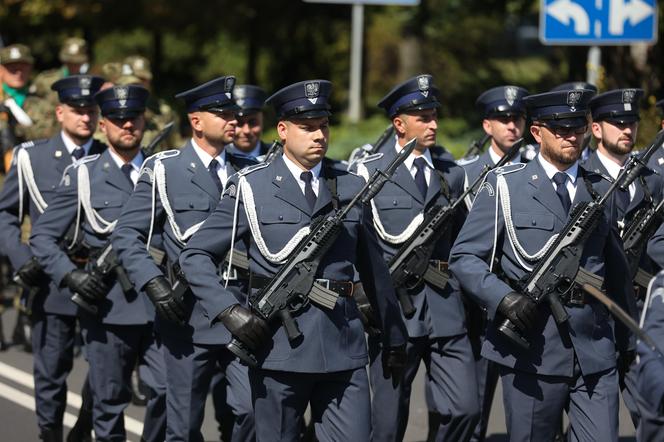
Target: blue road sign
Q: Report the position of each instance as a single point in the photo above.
(598, 22)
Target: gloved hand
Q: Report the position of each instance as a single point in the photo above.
(365, 310)
(520, 310)
(394, 361)
(86, 284)
(30, 274)
(167, 305)
(245, 326)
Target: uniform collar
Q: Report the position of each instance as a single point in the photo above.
(495, 157)
(296, 170)
(551, 170)
(206, 158)
(71, 146)
(411, 158)
(611, 166)
(136, 162)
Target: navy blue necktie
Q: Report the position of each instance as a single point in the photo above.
(78, 153)
(308, 189)
(212, 168)
(560, 178)
(420, 180)
(126, 170)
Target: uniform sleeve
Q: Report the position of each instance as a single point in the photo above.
(471, 252)
(130, 236)
(377, 282)
(10, 225)
(207, 248)
(52, 227)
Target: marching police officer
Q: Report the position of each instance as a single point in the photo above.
(504, 120)
(515, 214)
(437, 330)
(116, 320)
(29, 188)
(247, 141)
(175, 193)
(325, 367)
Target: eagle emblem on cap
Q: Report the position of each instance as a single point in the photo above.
(229, 84)
(84, 83)
(122, 93)
(312, 91)
(423, 84)
(510, 95)
(573, 98)
(628, 95)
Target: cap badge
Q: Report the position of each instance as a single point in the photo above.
(573, 98)
(122, 93)
(14, 53)
(423, 85)
(628, 96)
(510, 95)
(228, 86)
(127, 70)
(84, 83)
(312, 91)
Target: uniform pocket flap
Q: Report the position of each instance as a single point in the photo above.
(543, 221)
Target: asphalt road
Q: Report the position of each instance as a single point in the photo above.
(18, 421)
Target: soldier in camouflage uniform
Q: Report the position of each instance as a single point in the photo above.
(74, 58)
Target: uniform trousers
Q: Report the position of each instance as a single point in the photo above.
(451, 377)
(534, 405)
(340, 404)
(189, 370)
(112, 352)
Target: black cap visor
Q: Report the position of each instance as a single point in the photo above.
(123, 114)
(565, 122)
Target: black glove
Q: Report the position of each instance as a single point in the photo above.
(86, 284)
(365, 310)
(394, 361)
(31, 274)
(168, 306)
(520, 310)
(245, 326)
(625, 360)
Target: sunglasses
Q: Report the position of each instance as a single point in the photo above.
(566, 131)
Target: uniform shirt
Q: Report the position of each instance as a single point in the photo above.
(551, 170)
(614, 170)
(71, 146)
(495, 157)
(206, 159)
(136, 164)
(296, 171)
(409, 162)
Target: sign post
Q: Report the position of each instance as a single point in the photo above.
(356, 38)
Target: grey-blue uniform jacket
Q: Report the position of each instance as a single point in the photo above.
(49, 159)
(192, 195)
(109, 191)
(537, 214)
(648, 186)
(333, 339)
(440, 313)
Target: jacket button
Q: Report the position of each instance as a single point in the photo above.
(191, 205)
(533, 222)
(394, 202)
(281, 217)
(106, 203)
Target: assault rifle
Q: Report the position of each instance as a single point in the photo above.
(369, 149)
(477, 147)
(558, 272)
(150, 148)
(410, 264)
(106, 265)
(273, 152)
(293, 284)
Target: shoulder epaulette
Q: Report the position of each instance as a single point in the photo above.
(249, 169)
(31, 143)
(370, 158)
(510, 168)
(466, 161)
(595, 172)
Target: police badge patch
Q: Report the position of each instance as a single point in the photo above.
(423, 84)
(228, 86)
(312, 91)
(573, 98)
(122, 93)
(510, 95)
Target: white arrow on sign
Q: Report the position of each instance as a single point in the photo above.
(566, 10)
(621, 11)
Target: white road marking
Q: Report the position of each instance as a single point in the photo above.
(73, 400)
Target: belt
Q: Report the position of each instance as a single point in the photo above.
(341, 288)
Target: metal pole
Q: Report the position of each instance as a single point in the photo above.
(354, 106)
(593, 65)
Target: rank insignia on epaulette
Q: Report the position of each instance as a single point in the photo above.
(489, 188)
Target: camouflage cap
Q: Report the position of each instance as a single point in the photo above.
(111, 71)
(16, 53)
(74, 50)
(140, 66)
